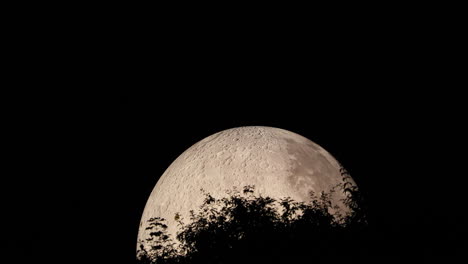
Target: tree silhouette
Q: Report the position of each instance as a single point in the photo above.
(245, 228)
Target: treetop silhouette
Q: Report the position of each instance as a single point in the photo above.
(248, 228)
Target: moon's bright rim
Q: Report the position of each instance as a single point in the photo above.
(278, 162)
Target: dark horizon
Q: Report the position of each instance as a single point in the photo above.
(108, 155)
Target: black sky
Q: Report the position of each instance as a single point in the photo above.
(381, 106)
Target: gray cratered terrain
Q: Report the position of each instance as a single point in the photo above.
(279, 163)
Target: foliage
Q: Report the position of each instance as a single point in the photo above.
(245, 228)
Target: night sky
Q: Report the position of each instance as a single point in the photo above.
(85, 163)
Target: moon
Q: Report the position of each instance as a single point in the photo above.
(279, 163)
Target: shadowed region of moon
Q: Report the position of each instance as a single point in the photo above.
(279, 163)
(310, 164)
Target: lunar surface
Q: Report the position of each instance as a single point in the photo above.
(279, 163)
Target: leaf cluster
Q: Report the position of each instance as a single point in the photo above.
(248, 228)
